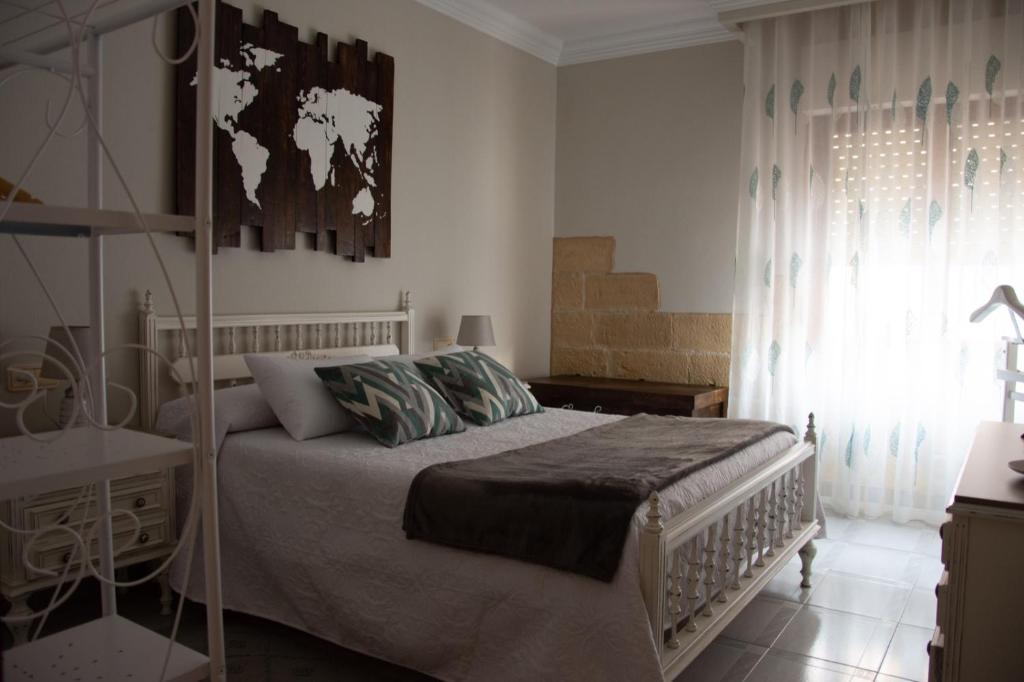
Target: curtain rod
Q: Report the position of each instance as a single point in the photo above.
(734, 19)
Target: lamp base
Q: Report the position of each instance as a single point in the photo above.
(67, 411)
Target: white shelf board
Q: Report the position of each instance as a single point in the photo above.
(109, 648)
(66, 221)
(83, 455)
(39, 26)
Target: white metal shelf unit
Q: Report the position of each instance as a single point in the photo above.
(34, 33)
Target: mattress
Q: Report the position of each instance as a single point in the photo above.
(311, 536)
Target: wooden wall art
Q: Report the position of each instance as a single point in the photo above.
(301, 143)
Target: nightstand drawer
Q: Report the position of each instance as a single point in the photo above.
(129, 498)
(153, 533)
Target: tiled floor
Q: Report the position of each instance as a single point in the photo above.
(868, 615)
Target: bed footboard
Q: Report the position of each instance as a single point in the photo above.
(699, 569)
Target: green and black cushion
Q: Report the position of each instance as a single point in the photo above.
(480, 388)
(391, 400)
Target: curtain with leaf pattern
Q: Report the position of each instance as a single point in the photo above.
(881, 201)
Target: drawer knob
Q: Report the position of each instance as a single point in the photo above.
(140, 502)
(143, 538)
(63, 520)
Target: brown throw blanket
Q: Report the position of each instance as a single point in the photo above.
(567, 503)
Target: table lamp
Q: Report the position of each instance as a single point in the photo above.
(476, 331)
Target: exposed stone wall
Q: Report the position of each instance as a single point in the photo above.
(607, 324)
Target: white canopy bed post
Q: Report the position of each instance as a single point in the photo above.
(95, 162)
(204, 335)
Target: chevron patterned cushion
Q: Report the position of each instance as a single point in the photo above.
(391, 400)
(480, 387)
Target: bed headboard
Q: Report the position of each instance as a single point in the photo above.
(234, 336)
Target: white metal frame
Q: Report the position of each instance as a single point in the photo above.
(35, 39)
(707, 562)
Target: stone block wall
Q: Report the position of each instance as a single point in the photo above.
(607, 324)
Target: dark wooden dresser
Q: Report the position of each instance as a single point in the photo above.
(621, 396)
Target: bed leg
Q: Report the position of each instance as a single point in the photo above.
(807, 554)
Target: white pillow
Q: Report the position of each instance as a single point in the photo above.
(238, 408)
(300, 400)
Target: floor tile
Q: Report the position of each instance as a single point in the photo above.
(837, 526)
(920, 609)
(930, 543)
(248, 668)
(282, 668)
(907, 656)
(723, 661)
(863, 596)
(929, 571)
(762, 621)
(835, 636)
(905, 538)
(877, 562)
(780, 665)
(786, 585)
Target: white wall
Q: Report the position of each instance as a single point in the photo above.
(472, 192)
(648, 152)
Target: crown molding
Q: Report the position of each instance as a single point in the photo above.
(733, 5)
(646, 40)
(731, 13)
(501, 25)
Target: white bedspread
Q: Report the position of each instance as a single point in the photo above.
(311, 537)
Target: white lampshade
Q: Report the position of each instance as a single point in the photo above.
(476, 330)
(83, 338)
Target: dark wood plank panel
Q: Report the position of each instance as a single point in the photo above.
(227, 190)
(309, 62)
(279, 116)
(345, 173)
(385, 96)
(251, 119)
(185, 120)
(288, 200)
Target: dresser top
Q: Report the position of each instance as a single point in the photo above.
(986, 479)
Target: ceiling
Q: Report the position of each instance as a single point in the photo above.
(575, 31)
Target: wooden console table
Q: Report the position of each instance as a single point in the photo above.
(621, 396)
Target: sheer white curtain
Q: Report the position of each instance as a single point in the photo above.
(882, 200)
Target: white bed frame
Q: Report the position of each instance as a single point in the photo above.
(376, 334)
(697, 570)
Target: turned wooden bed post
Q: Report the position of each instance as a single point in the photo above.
(809, 496)
(652, 568)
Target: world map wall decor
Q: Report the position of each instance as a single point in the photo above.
(302, 144)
